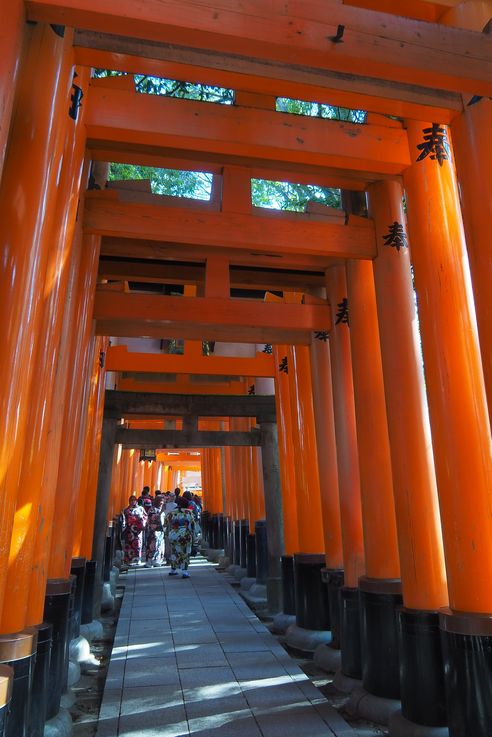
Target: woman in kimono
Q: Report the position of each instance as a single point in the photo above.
(179, 527)
(154, 541)
(133, 521)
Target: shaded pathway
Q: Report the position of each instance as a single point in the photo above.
(190, 658)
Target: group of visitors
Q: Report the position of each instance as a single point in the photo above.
(161, 529)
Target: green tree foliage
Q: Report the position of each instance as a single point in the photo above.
(173, 182)
(288, 196)
(320, 110)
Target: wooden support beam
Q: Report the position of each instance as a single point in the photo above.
(383, 45)
(136, 384)
(192, 273)
(119, 358)
(196, 318)
(185, 438)
(128, 120)
(262, 232)
(123, 404)
(357, 92)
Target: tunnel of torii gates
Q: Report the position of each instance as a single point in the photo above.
(318, 436)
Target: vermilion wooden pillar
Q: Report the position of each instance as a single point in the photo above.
(459, 420)
(75, 410)
(11, 37)
(28, 197)
(286, 450)
(416, 504)
(473, 147)
(348, 469)
(327, 452)
(380, 588)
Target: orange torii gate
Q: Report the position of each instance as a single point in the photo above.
(407, 509)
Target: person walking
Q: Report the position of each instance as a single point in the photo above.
(154, 543)
(133, 521)
(179, 527)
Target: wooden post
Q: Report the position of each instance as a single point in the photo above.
(273, 513)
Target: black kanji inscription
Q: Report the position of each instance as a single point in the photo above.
(251, 390)
(267, 349)
(435, 144)
(396, 237)
(321, 335)
(283, 367)
(342, 316)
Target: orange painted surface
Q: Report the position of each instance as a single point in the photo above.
(282, 233)
(473, 149)
(265, 81)
(423, 573)
(376, 481)
(28, 203)
(345, 432)
(309, 515)
(454, 378)
(300, 30)
(127, 120)
(86, 498)
(286, 453)
(119, 358)
(471, 14)
(75, 415)
(11, 37)
(327, 452)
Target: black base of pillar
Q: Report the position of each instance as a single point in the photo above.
(312, 609)
(237, 542)
(251, 557)
(288, 587)
(467, 651)
(379, 601)
(261, 551)
(333, 580)
(108, 557)
(350, 633)
(19, 652)
(88, 593)
(40, 681)
(204, 524)
(244, 543)
(56, 612)
(423, 696)
(6, 682)
(228, 544)
(78, 570)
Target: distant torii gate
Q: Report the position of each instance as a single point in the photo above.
(190, 407)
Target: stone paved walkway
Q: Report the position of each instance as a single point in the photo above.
(190, 658)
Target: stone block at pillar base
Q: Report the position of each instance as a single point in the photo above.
(247, 583)
(224, 562)
(305, 640)
(239, 573)
(60, 725)
(214, 554)
(401, 727)
(92, 631)
(344, 683)
(107, 600)
(73, 673)
(113, 579)
(80, 653)
(328, 658)
(256, 597)
(377, 709)
(282, 622)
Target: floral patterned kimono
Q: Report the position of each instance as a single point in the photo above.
(133, 521)
(155, 537)
(179, 527)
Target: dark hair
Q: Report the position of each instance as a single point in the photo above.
(146, 489)
(187, 495)
(181, 502)
(177, 491)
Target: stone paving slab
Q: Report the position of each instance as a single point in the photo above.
(190, 659)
